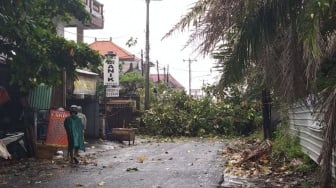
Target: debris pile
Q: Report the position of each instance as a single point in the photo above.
(251, 161)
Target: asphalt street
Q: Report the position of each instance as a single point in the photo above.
(150, 163)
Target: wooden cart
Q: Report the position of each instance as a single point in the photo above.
(123, 134)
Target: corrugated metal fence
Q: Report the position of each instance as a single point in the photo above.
(304, 123)
(40, 97)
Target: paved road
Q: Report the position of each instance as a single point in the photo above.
(179, 163)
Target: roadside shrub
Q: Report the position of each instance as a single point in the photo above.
(286, 147)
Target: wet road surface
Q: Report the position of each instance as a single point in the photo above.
(178, 163)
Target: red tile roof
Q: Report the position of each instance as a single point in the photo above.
(174, 83)
(105, 46)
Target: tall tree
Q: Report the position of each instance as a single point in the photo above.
(28, 40)
(286, 41)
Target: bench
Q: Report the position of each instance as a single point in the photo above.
(123, 134)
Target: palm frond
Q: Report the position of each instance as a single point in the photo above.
(210, 20)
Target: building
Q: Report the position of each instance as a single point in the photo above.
(129, 62)
(29, 108)
(96, 10)
(167, 78)
(83, 90)
(119, 110)
(197, 93)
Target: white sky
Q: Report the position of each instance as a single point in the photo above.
(127, 18)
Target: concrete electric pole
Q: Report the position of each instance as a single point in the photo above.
(189, 60)
(147, 66)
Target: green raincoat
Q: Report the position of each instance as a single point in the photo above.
(74, 129)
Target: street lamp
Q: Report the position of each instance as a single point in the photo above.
(147, 57)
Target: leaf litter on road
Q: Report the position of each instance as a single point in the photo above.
(102, 183)
(79, 185)
(134, 169)
(251, 160)
(141, 159)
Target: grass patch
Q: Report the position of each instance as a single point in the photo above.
(286, 148)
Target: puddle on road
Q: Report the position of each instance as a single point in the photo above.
(101, 147)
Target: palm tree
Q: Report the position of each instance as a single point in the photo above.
(285, 41)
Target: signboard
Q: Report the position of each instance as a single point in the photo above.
(85, 85)
(111, 71)
(112, 91)
(56, 134)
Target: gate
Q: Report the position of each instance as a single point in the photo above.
(120, 114)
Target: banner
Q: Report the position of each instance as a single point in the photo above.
(56, 134)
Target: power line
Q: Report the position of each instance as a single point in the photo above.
(86, 36)
(186, 70)
(200, 76)
(179, 69)
(94, 37)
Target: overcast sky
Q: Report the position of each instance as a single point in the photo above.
(127, 18)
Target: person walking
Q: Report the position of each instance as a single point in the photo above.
(82, 117)
(74, 130)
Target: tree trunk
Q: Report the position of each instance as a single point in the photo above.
(325, 158)
(266, 100)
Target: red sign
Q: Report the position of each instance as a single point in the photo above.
(56, 134)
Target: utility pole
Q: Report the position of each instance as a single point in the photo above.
(189, 60)
(142, 63)
(147, 57)
(164, 74)
(168, 75)
(64, 87)
(158, 73)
